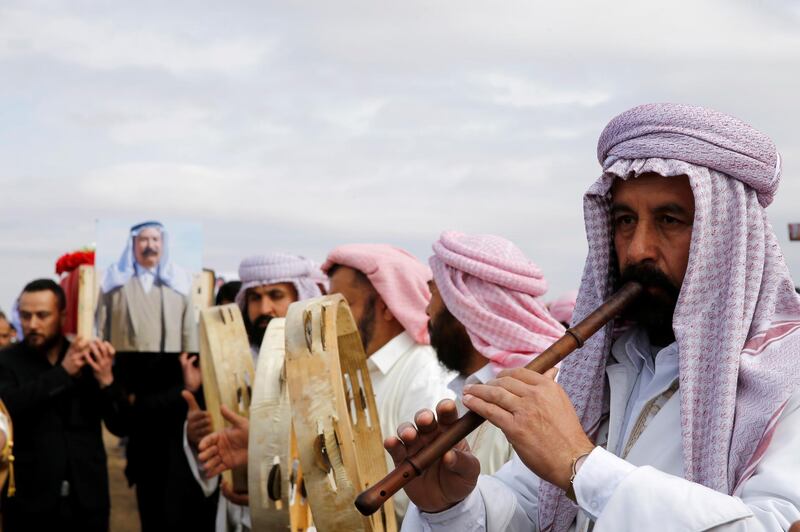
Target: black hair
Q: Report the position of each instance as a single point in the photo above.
(41, 285)
(360, 277)
(227, 292)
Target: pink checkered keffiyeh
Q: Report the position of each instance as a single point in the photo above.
(399, 278)
(563, 306)
(737, 297)
(275, 268)
(494, 291)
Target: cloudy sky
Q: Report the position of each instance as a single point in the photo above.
(301, 125)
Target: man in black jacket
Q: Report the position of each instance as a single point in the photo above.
(57, 394)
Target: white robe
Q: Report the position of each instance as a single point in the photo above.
(645, 491)
(488, 443)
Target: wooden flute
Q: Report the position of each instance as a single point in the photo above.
(373, 498)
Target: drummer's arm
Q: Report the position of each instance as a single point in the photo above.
(113, 408)
(207, 485)
(22, 397)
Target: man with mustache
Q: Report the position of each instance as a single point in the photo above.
(58, 393)
(690, 419)
(387, 290)
(269, 284)
(145, 312)
(486, 315)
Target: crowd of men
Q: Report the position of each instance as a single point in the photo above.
(683, 414)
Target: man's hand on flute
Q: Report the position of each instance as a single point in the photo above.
(450, 479)
(226, 449)
(537, 418)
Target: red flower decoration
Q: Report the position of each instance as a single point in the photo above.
(71, 261)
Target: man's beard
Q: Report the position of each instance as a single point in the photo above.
(256, 329)
(652, 311)
(42, 343)
(450, 340)
(366, 325)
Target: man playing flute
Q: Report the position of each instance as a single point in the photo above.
(686, 414)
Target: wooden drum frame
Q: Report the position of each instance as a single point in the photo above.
(228, 374)
(335, 416)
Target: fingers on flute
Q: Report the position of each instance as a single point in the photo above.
(461, 463)
(409, 437)
(394, 446)
(528, 376)
(511, 384)
(446, 412)
(426, 422)
(495, 414)
(496, 394)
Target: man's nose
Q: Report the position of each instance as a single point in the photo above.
(267, 307)
(644, 245)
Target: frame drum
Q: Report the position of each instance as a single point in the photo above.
(227, 367)
(277, 495)
(335, 416)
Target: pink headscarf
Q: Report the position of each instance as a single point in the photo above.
(737, 295)
(493, 290)
(399, 278)
(563, 306)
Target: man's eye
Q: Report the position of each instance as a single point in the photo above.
(625, 219)
(669, 220)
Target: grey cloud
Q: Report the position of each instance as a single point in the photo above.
(304, 125)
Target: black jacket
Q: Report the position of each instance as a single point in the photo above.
(57, 431)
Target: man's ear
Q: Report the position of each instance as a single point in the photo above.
(382, 309)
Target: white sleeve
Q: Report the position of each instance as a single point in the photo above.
(507, 501)
(625, 497)
(208, 485)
